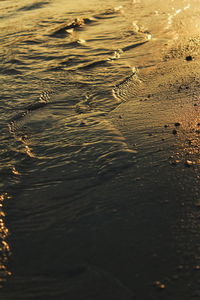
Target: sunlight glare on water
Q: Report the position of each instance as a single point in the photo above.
(4, 246)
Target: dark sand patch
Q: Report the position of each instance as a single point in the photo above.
(161, 122)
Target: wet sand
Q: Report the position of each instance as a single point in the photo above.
(161, 122)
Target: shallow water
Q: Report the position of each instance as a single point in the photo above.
(99, 188)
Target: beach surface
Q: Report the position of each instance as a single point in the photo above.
(100, 150)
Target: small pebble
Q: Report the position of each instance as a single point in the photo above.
(15, 171)
(177, 124)
(189, 58)
(189, 163)
(174, 131)
(165, 126)
(159, 285)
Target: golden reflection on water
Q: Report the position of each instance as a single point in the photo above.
(4, 245)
